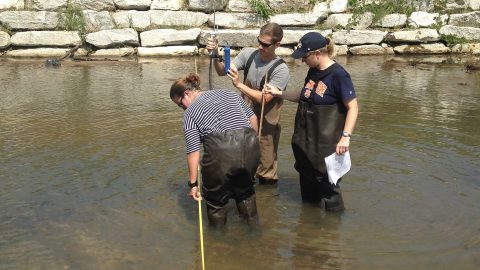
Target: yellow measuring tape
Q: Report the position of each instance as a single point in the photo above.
(200, 220)
(200, 201)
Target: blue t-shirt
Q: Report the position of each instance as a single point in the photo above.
(329, 86)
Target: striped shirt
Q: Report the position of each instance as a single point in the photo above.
(214, 111)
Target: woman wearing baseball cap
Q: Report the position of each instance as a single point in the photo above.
(326, 115)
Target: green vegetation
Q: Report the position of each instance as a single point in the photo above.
(378, 9)
(439, 5)
(438, 23)
(452, 40)
(72, 19)
(312, 3)
(261, 8)
(184, 5)
(384, 7)
(6, 28)
(130, 22)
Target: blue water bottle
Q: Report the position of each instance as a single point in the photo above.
(226, 51)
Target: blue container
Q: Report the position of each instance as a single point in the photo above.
(226, 51)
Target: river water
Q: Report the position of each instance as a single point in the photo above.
(93, 173)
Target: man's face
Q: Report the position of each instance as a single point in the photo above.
(265, 45)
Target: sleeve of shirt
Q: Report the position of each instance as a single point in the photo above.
(241, 59)
(345, 86)
(280, 77)
(192, 135)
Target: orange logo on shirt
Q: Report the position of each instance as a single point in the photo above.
(321, 88)
(308, 88)
(307, 93)
(310, 85)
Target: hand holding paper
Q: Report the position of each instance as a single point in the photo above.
(337, 166)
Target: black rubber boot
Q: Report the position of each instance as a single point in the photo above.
(217, 215)
(334, 203)
(248, 210)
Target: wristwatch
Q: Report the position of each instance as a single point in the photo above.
(346, 134)
(192, 185)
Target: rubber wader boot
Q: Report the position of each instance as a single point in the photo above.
(217, 215)
(248, 210)
(334, 203)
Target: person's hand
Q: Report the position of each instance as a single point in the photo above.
(272, 90)
(342, 145)
(195, 193)
(212, 44)
(233, 75)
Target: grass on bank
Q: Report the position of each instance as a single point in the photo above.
(381, 8)
(261, 8)
(72, 19)
(378, 9)
(6, 28)
(451, 40)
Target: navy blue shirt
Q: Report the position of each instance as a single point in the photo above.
(329, 86)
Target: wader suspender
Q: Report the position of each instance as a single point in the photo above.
(270, 70)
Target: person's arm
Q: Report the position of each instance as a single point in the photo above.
(352, 114)
(193, 159)
(193, 143)
(253, 94)
(254, 122)
(219, 67)
(292, 95)
(212, 45)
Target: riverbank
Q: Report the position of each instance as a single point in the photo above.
(146, 28)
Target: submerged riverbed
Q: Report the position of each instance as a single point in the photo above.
(93, 173)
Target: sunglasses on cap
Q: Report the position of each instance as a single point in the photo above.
(264, 45)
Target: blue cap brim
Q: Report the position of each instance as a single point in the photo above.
(299, 53)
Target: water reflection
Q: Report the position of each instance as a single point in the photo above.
(318, 244)
(92, 173)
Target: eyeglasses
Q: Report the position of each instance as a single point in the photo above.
(264, 45)
(180, 102)
(308, 54)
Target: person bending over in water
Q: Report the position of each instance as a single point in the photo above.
(227, 128)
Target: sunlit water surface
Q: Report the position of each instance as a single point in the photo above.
(93, 173)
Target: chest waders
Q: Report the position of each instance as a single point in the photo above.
(229, 162)
(270, 137)
(318, 128)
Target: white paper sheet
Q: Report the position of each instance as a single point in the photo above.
(337, 166)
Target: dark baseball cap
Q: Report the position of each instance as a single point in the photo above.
(311, 41)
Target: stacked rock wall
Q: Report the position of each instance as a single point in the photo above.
(46, 28)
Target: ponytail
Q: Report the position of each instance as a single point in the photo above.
(190, 82)
(331, 48)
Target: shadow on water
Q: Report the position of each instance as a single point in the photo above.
(93, 172)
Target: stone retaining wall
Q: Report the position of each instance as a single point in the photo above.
(38, 28)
